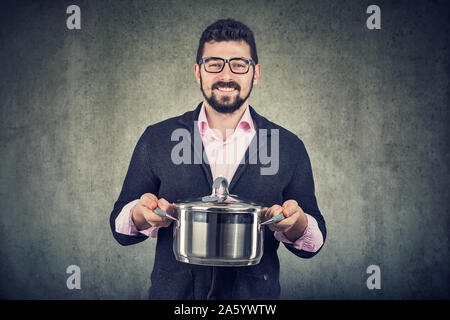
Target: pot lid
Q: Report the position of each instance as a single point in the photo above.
(220, 201)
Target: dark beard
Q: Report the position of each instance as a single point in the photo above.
(225, 107)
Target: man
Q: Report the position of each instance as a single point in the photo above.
(226, 70)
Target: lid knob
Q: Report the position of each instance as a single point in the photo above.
(219, 181)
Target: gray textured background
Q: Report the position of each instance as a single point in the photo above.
(371, 106)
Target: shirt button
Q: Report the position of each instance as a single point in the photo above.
(266, 276)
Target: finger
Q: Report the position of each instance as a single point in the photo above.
(286, 223)
(289, 221)
(151, 217)
(163, 204)
(290, 207)
(274, 210)
(263, 213)
(166, 206)
(271, 212)
(150, 196)
(149, 200)
(157, 221)
(162, 224)
(289, 203)
(290, 210)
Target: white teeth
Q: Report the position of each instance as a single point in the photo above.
(226, 89)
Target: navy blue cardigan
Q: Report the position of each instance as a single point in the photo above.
(152, 170)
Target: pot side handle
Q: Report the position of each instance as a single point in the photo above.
(160, 212)
(274, 219)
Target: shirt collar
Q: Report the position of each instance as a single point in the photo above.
(245, 125)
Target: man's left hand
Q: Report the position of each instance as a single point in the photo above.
(294, 223)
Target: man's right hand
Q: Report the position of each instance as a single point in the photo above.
(143, 215)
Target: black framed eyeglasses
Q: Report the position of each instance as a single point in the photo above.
(216, 64)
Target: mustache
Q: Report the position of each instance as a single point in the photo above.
(223, 84)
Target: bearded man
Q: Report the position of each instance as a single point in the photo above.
(226, 68)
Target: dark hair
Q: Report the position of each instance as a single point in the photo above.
(227, 30)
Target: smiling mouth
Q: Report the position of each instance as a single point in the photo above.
(226, 89)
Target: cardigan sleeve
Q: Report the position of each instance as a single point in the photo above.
(301, 189)
(138, 180)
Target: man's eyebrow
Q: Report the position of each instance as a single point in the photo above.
(241, 57)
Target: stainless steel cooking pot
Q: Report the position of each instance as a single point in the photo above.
(219, 229)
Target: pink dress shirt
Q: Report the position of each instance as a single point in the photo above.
(224, 158)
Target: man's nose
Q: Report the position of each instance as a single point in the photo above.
(226, 72)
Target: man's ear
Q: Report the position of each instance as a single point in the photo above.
(257, 74)
(197, 72)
